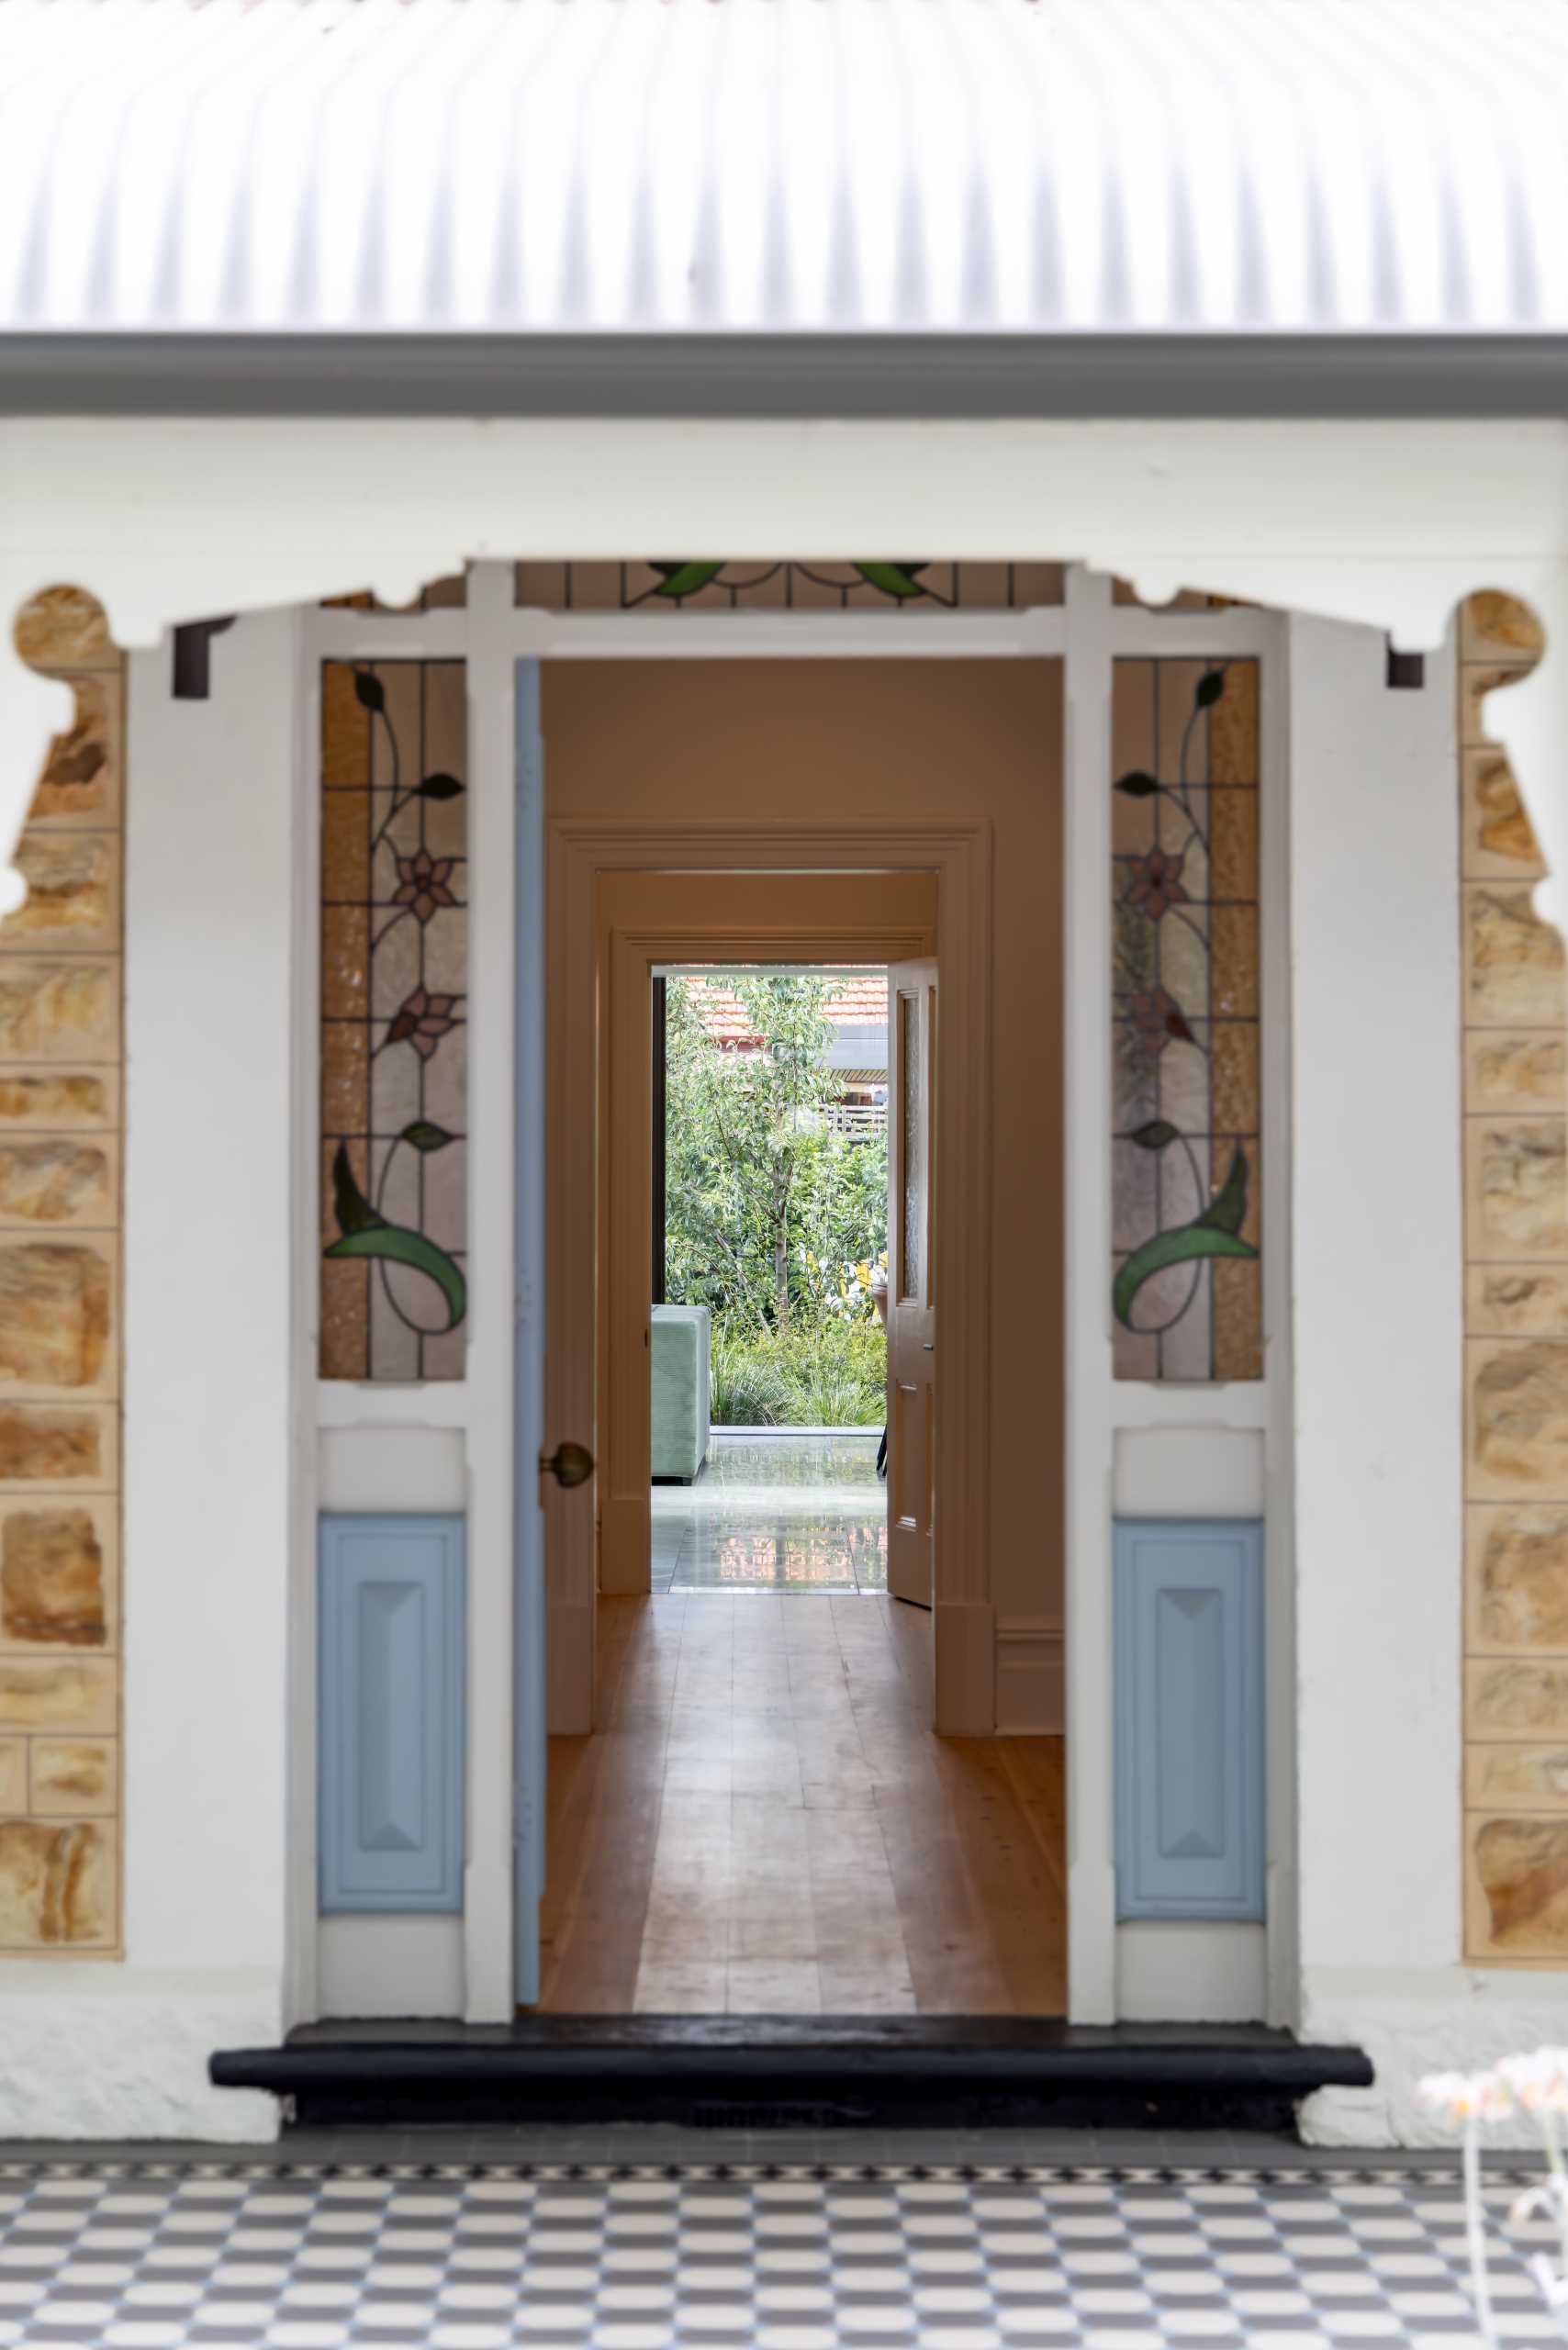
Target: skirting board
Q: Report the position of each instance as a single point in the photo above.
(1031, 1676)
(387, 1965)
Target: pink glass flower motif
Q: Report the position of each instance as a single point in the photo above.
(1156, 883)
(424, 1020)
(1158, 1017)
(424, 884)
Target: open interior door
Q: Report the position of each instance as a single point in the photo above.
(527, 1478)
(912, 1310)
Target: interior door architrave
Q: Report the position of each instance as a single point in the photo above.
(645, 919)
(959, 853)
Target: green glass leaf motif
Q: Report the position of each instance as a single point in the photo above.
(684, 578)
(364, 1232)
(438, 787)
(1210, 685)
(1155, 1135)
(425, 1134)
(897, 580)
(411, 1248)
(370, 691)
(1226, 1211)
(1215, 1233)
(1137, 785)
(355, 1212)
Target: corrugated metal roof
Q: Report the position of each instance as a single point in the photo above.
(790, 165)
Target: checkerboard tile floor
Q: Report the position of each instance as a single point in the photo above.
(165, 2255)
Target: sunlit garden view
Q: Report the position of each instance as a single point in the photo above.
(776, 1217)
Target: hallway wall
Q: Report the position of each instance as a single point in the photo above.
(898, 740)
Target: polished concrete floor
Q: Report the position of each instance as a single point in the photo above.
(776, 1513)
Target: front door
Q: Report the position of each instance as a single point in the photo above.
(911, 1307)
(529, 1749)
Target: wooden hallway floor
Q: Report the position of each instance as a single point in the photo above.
(765, 1825)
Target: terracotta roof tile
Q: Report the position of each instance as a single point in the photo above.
(860, 1000)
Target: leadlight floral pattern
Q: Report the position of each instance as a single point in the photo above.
(1186, 1280)
(394, 978)
(674, 587)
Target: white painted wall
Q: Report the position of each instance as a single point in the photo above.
(1378, 1282)
(121, 2050)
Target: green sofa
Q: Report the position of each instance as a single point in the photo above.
(680, 1347)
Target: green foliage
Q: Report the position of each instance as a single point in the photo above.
(766, 1213)
(772, 1221)
(749, 1386)
(830, 1374)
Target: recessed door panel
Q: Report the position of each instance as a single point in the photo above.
(912, 1311)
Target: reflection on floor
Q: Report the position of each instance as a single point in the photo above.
(776, 1513)
(766, 1825)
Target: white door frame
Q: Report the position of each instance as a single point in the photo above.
(1087, 632)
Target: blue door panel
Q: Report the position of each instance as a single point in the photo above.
(1190, 1809)
(392, 1732)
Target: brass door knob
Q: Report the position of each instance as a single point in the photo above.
(569, 1464)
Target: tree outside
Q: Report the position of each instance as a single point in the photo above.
(774, 1221)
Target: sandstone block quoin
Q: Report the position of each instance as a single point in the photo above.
(58, 1180)
(1517, 1778)
(1521, 1186)
(63, 628)
(1520, 1566)
(1519, 1409)
(1499, 839)
(1516, 1301)
(75, 1776)
(58, 1693)
(51, 1098)
(1521, 1866)
(1518, 1069)
(71, 891)
(77, 782)
(60, 994)
(54, 1315)
(1514, 961)
(57, 1011)
(44, 1444)
(55, 1884)
(1511, 1699)
(52, 1578)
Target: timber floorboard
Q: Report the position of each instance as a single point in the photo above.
(764, 1823)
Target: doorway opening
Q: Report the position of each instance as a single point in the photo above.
(768, 1342)
(763, 1819)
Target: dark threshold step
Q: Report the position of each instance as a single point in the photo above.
(756, 2071)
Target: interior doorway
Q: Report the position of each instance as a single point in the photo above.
(761, 1803)
(765, 1094)
(770, 1280)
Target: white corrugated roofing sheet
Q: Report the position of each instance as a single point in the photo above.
(758, 165)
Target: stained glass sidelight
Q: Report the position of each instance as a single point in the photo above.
(787, 586)
(1186, 1280)
(394, 979)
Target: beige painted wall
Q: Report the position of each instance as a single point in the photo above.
(851, 739)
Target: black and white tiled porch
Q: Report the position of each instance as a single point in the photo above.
(657, 2240)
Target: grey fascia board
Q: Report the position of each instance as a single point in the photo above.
(784, 375)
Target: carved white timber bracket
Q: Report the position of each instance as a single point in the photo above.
(1389, 525)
